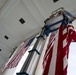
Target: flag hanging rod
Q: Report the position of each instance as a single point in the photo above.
(59, 12)
(55, 14)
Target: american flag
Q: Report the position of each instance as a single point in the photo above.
(55, 60)
(17, 57)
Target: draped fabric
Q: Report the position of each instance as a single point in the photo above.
(56, 56)
(17, 57)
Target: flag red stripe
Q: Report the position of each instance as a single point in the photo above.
(46, 69)
(59, 60)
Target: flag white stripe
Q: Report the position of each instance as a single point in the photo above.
(54, 57)
(65, 61)
(64, 31)
(51, 44)
(49, 49)
(47, 54)
(64, 42)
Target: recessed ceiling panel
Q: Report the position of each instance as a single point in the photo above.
(2, 61)
(47, 6)
(5, 51)
(11, 21)
(34, 11)
(7, 38)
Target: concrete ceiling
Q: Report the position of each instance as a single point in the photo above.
(34, 12)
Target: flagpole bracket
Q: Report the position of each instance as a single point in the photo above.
(46, 30)
(22, 73)
(35, 51)
(41, 36)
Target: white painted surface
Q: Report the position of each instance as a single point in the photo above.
(9, 71)
(39, 69)
(72, 56)
(72, 59)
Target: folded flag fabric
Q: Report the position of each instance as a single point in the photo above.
(56, 56)
(17, 57)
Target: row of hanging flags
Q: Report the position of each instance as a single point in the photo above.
(55, 61)
(17, 57)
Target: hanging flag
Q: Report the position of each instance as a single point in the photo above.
(56, 55)
(17, 57)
